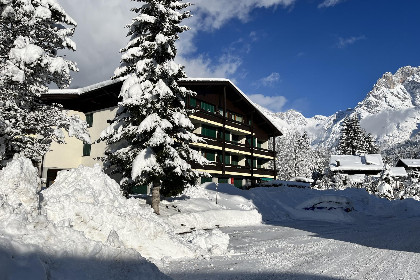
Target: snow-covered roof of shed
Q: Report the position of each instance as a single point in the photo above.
(409, 162)
(398, 172)
(356, 163)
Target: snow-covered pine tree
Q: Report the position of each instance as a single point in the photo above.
(31, 34)
(354, 140)
(149, 138)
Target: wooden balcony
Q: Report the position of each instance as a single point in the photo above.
(217, 119)
(236, 148)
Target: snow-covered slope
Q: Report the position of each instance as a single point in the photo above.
(390, 112)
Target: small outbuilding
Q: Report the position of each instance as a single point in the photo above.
(409, 164)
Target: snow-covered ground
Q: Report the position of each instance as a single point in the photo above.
(82, 228)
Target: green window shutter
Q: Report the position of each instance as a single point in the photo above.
(207, 107)
(227, 135)
(248, 139)
(193, 102)
(86, 149)
(209, 131)
(227, 158)
(259, 144)
(223, 180)
(237, 183)
(210, 155)
(89, 119)
(205, 180)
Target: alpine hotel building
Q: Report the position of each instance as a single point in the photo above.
(236, 132)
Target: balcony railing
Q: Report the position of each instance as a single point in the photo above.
(216, 117)
(232, 169)
(244, 148)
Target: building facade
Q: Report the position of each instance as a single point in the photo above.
(239, 139)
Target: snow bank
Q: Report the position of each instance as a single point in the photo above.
(89, 201)
(31, 247)
(236, 207)
(279, 203)
(197, 209)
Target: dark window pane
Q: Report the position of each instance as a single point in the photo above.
(86, 149)
(89, 119)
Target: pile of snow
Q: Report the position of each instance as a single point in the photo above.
(197, 209)
(89, 201)
(31, 247)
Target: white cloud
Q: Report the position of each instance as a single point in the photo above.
(101, 34)
(203, 67)
(270, 80)
(329, 3)
(272, 103)
(344, 42)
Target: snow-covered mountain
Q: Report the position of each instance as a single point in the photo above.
(390, 112)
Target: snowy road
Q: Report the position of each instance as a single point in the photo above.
(388, 248)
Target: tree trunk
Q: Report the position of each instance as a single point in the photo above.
(156, 197)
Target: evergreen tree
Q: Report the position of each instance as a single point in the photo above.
(31, 33)
(149, 138)
(294, 156)
(354, 140)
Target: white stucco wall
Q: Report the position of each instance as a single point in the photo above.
(70, 154)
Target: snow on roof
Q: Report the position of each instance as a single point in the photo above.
(82, 90)
(356, 163)
(409, 162)
(398, 172)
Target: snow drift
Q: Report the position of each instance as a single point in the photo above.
(89, 201)
(32, 247)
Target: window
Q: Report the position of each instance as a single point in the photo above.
(208, 131)
(259, 163)
(235, 160)
(248, 162)
(89, 119)
(259, 144)
(251, 140)
(86, 149)
(207, 107)
(235, 138)
(235, 116)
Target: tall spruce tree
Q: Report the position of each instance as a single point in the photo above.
(31, 34)
(354, 140)
(149, 138)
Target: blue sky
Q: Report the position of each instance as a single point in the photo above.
(314, 56)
